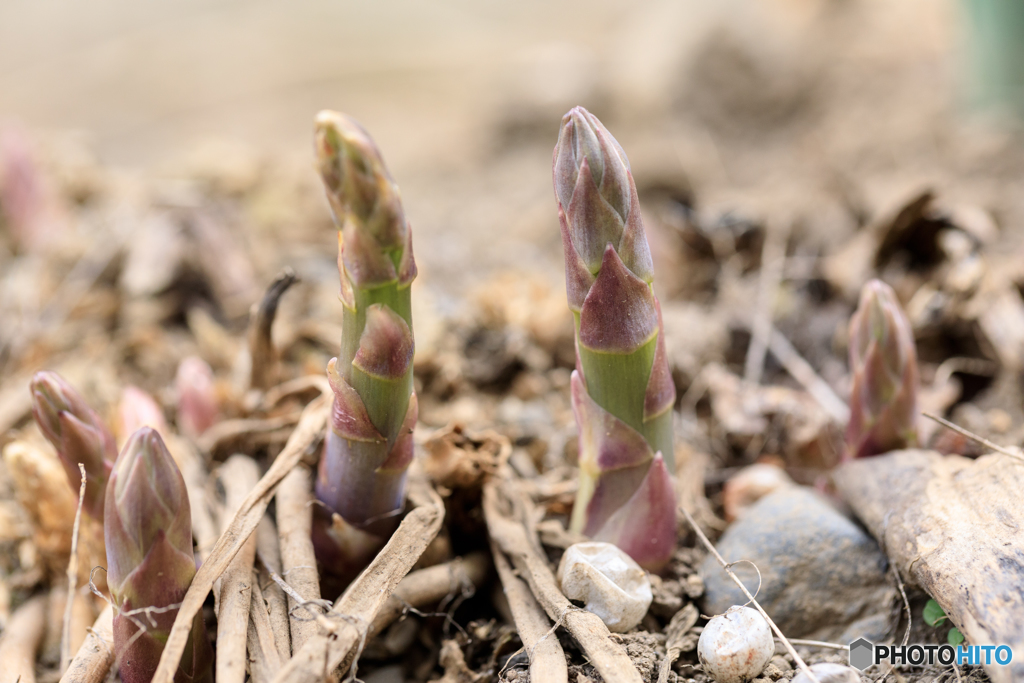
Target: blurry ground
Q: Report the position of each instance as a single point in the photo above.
(814, 105)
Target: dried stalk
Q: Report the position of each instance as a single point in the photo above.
(547, 659)
(356, 609)
(307, 433)
(269, 552)
(261, 345)
(294, 524)
(609, 659)
(65, 637)
(96, 656)
(264, 657)
(773, 260)
(238, 476)
(800, 370)
(21, 640)
(431, 585)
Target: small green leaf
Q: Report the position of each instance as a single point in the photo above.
(955, 637)
(933, 613)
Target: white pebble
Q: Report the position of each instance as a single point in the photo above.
(610, 583)
(736, 646)
(829, 673)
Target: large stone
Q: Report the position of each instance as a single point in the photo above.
(822, 575)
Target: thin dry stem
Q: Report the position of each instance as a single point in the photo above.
(356, 609)
(261, 344)
(264, 654)
(590, 632)
(773, 261)
(802, 372)
(975, 437)
(21, 640)
(269, 553)
(65, 635)
(735, 579)
(307, 433)
(238, 476)
(94, 659)
(294, 529)
(547, 659)
(432, 585)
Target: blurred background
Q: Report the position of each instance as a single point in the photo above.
(163, 149)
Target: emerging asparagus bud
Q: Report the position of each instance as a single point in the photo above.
(137, 409)
(622, 389)
(883, 359)
(150, 564)
(78, 434)
(197, 397)
(368, 449)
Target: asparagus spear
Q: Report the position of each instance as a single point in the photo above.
(150, 565)
(78, 434)
(622, 390)
(883, 359)
(369, 445)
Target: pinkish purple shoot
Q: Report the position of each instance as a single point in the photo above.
(361, 478)
(622, 390)
(883, 360)
(197, 397)
(78, 434)
(150, 565)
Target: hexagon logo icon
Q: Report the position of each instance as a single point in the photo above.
(861, 654)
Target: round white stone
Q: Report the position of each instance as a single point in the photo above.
(610, 583)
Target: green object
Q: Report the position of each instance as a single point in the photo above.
(954, 637)
(933, 613)
(883, 361)
(148, 530)
(362, 472)
(996, 53)
(78, 434)
(622, 391)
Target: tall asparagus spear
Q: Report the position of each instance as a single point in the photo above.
(883, 359)
(78, 434)
(369, 444)
(150, 565)
(622, 390)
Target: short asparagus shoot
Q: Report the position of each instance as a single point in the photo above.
(368, 449)
(622, 389)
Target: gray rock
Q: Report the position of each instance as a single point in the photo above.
(822, 576)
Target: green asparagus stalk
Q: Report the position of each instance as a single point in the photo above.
(622, 390)
(361, 477)
(150, 564)
(883, 360)
(78, 434)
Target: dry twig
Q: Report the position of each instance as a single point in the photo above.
(294, 524)
(261, 345)
(609, 659)
(356, 609)
(803, 373)
(269, 553)
(431, 585)
(261, 641)
(96, 656)
(65, 636)
(21, 639)
(975, 437)
(235, 588)
(306, 434)
(547, 659)
(773, 261)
